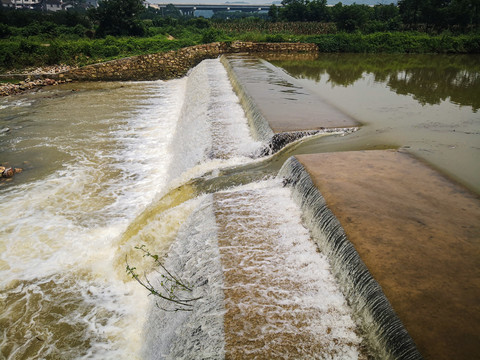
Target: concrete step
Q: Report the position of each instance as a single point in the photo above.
(419, 235)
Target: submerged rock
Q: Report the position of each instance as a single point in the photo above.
(9, 172)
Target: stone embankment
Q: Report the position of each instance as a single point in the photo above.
(28, 84)
(174, 64)
(164, 66)
(33, 78)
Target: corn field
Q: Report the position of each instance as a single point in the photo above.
(296, 28)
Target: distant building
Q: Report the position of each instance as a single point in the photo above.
(21, 4)
(46, 5)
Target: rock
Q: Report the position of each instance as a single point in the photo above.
(8, 173)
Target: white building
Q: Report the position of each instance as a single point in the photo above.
(49, 5)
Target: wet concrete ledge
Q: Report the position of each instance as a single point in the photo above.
(278, 108)
(418, 234)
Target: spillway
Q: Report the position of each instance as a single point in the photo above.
(131, 171)
(186, 172)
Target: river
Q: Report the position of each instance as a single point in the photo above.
(111, 166)
(427, 104)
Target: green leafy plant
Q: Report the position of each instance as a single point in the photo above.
(171, 287)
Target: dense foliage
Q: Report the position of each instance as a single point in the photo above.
(119, 28)
(441, 14)
(119, 17)
(432, 15)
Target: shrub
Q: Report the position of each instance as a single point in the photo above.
(209, 36)
(5, 31)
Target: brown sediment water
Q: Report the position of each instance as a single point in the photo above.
(104, 159)
(427, 104)
(280, 298)
(417, 232)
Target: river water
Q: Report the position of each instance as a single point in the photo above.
(427, 104)
(94, 156)
(111, 166)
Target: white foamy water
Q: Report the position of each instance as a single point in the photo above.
(259, 277)
(278, 286)
(99, 160)
(61, 295)
(212, 124)
(100, 156)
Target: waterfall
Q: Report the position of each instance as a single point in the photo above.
(194, 257)
(384, 331)
(245, 250)
(212, 128)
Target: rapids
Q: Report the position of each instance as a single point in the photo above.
(109, 167)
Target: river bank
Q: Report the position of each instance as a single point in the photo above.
(17, 82)
(17, 52)
(159, 66)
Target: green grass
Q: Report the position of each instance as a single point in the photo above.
(398, 42)
(8, 81)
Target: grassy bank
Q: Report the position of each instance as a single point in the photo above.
(15, 53)
(398, 42)
(21, 52)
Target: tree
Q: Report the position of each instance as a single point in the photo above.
(294, 10)
(351, 17)
(119, 18)
(440, 13)
(385, 12)
(273, 13)
(465, 13)
(172, 12)
(410, 11)
(317, 10)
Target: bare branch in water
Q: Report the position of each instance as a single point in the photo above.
(170, 284)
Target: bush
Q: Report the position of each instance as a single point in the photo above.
(211, 35)
(397, 42)
(5, 31)
(110, 51)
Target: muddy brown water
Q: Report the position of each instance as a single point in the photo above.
(427, 104)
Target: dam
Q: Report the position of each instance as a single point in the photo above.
(287, 253)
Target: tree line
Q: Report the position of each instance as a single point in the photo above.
(131, 18)
(120, 28)
(431, 15)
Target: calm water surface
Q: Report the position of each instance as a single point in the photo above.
(427, 104)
